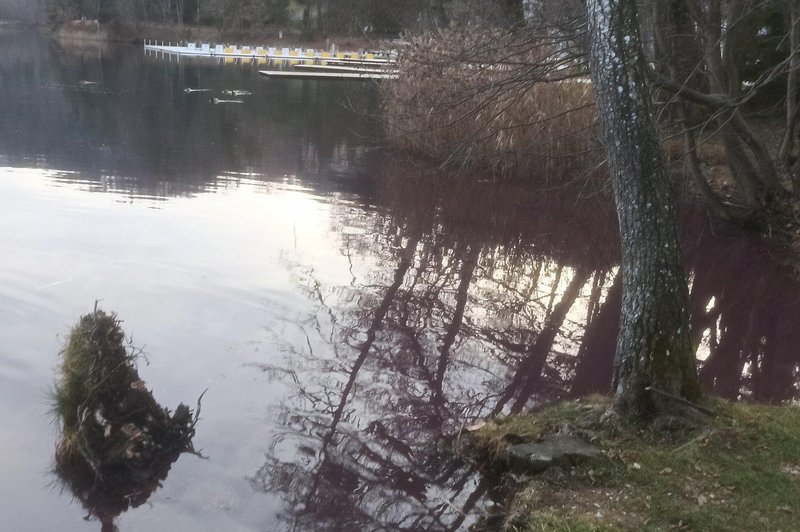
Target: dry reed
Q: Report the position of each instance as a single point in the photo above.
(496, 102)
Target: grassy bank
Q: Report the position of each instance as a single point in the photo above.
(739, 471)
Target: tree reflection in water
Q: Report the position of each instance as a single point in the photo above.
(483, 300)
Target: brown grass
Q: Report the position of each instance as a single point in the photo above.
(82, 30)
(493, 102)
(710, 151)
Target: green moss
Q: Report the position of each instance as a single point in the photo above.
(117, 443)
(95, 368)
(740, 471)
(107, 415)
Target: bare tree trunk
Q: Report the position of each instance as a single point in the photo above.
(179, 13)
(144, 9)
(719, 40)
(320, 25)
(439, 13)
(766, 167)
(742, 169)
(514, 11)
(786, 154)
(754, 172)
(654, 346)
(712, 201)
(674, 37)
(728, 47)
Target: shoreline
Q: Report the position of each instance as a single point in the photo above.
(95, 32)
(736, 469)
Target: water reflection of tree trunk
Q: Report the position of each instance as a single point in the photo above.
(468, 265)
(484, 485)
(774, 381)
(596, 353)
(722, 370)
(554, 290)
(406, 260)
(529, 371)
(598, 281)
(743, 313)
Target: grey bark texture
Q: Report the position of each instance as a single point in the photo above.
(654, 345)
(786, 153)
(677, 48)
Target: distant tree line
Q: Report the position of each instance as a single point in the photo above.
(378, 17)
(22, 10)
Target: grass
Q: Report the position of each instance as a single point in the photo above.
(96, 369)
(740, 471)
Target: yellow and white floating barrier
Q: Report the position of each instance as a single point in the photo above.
(268, 53)
(300, 74)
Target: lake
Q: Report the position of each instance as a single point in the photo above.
(347, 312)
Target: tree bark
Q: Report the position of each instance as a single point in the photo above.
(654, 346)
(514, 11)
(677, 48)
(786, 152)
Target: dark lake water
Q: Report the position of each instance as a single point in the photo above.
(345, 315)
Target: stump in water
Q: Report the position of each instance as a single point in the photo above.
(117, 443)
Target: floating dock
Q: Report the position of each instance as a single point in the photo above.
(338, 68)
(266, 53)
(300, 74)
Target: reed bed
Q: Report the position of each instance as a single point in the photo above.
(496, 102)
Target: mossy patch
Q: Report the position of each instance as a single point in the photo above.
(116, 441)
(739, 471)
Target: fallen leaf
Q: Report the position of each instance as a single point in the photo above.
(476, 426)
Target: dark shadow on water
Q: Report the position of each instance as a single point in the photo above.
(484, 300)
(108, 499)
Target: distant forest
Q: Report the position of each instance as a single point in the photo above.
(379, 17)
(23, 10)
